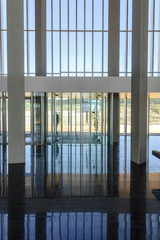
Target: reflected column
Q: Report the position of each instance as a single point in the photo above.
(4, 182)
(112, 226)
(112, 187)
(41, 226)
(16, 201)
(113, 170)
(40, 171)
(138, 200)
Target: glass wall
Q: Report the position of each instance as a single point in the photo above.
(3, 37)
(29, 37)
(154, 113)
(125, 44)
(125, 113)
(73, 117)
(3, 117)
(77, 37)
(154, 38)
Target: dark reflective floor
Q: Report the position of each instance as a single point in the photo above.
(81, 225)
(80, 192)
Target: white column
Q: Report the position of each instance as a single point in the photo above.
(16, 105)
(139, 81)
(113, 68)
(40, 16)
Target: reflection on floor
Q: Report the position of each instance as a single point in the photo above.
(80, 225)
(86, 170)
(80, 192)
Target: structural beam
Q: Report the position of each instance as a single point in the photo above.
(82, 84)
(16, 105)
(139, 81)
(113, 69)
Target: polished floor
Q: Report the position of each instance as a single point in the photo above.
(73, 191)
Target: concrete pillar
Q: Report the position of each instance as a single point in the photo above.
(40, 16)
(16, 105)
(139, 81)
(16, 119)
(113, 69)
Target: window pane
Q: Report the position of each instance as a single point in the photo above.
(25, 52)
(88, 52)
(97, 74)
(72, 52)
(3, 14)
(105, 58)
(25, 14)
(48, 15)
(80, 74)
(150, 52)
(105, 14)
(31, 45)
(72, 14)
(150, 17)
(4, 51)
(123, 14)
(129, 52)
(56, 53)
(157, 15)
(88, 14)
(156, 52)
(64, 15)
(130, 15)
(49, 51)
(97, 64)
(80, 52)
(31, 14)
(56, 14)
(122, 57)
(80, 15)
(64, 52)
(97, 14)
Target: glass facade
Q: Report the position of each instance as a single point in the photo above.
(154, 38)
(125, 44)
(3, 37)
(77, 38)
(75, 117)
(77, 45)
(29, 37)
